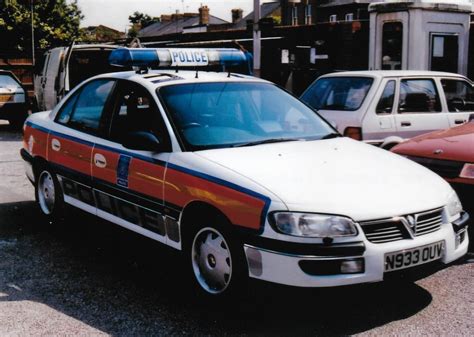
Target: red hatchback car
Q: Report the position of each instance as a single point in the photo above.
(449, 153)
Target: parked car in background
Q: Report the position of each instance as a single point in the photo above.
(386, 107)
(65, 67)
(449, 153)
(13, 99)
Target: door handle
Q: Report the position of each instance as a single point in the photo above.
(406, 123)
(459, 121)
(100, 161)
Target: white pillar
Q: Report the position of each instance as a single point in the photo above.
(256, 38)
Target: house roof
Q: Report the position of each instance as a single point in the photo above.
(266, 9)
(176, 26)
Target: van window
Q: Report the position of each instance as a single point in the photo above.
(459, 95)
(338, 93)
(418, 95)
(90, 105)
(385, 104)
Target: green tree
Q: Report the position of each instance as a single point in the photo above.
(56, 23)
(139, 21)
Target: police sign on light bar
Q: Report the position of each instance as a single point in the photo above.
(189, 57)
(176, 57)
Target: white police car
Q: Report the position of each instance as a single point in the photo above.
(241, 176)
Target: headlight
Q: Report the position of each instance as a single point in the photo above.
(314, 225)
(467, 171)
(454, 204)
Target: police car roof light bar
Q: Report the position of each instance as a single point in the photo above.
(145, 58)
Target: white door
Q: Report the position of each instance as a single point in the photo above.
(40, 82)
(419, 108)
(51, 79)
(459, 95)
(379, 121)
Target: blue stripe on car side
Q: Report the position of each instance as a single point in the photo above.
(182, 169)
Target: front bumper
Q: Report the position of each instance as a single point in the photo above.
(28, 163)
(288, 267)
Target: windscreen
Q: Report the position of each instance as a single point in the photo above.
(7, 81)
(338, 93)
(215, 115)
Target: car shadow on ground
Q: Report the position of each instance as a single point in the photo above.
(9, 133)
(124, 284)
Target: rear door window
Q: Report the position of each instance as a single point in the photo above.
(338, 93)
(459, 95)
(87, 107)
(418, 96)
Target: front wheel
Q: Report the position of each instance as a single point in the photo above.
(218, 262)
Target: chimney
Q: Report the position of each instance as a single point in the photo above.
(203, 15)
(236, 15)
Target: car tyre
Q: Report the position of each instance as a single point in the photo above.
(216, 260)
(49, 195)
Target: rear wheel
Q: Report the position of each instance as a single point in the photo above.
(49, 195)
(217, 261)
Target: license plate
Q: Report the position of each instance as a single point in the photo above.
(5, 98)
(413, 257)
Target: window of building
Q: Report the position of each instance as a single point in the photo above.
(294, 16)
(333, 18)
(392, 45)
(349, 16)
(307, 15)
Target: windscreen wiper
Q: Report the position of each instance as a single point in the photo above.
(331, 135)
(267, 141)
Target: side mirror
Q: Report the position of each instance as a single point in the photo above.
(142, 141)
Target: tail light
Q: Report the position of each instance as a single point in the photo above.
(353, 132)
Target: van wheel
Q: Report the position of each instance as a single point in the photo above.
(49, 195)
(218, 263)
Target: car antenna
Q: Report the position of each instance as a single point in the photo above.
(177, 69)
(197, 74)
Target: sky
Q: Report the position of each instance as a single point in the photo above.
(114, 13)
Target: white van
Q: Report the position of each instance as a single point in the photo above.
(386, 107)
(66, 67)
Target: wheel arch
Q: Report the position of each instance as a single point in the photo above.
(38, 163)
(390, 142)
(201, 210)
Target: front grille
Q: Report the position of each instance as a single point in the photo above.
(444, 168)
(429, 222)
(398, 228)
(386, 230)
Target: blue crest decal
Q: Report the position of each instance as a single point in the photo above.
(122, 170)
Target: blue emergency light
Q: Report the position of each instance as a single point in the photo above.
(176, 57)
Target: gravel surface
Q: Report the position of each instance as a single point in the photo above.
(89, 277)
